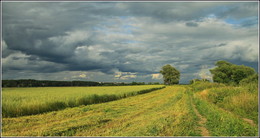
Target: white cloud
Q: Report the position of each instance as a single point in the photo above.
(204, 73)
(3, 44)
(70, 38)
(156, 76)
(245, 49)
(125, 75)
(82, 75)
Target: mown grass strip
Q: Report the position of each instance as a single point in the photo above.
(180, 120)
(166, 112)
(33, 107)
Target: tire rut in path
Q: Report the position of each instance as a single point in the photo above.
(202, 122)
(251, 122)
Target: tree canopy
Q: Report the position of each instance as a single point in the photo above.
(229, 73)
(170, 75)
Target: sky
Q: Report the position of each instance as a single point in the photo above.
(125, 41)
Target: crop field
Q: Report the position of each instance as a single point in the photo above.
(28, 101)
(172, 111)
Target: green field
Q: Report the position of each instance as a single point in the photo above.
(28, 101)
(191, 110)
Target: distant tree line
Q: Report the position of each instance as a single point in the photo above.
(45, 83)
(49, 83)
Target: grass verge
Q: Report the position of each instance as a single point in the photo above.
(221, 123)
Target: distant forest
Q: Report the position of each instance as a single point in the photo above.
(48, 83)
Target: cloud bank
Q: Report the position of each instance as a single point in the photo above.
(125, 41)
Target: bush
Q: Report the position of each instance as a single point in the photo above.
(250, 79)
(198, 80)
(202, 85)
(217, 95)
(250, 83)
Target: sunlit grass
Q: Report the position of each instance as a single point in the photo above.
(28, 101)
(234, 99)
(165, 112)
(221, 123)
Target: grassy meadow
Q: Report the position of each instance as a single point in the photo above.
(203, 109)
(28, 101)
(229, 110)
(234, 99)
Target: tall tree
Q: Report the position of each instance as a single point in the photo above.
(170, 75)
(229, 73)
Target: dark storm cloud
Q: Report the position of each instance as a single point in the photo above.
(127, 38)
(191, 24)
(21, 62)
(28, 26)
